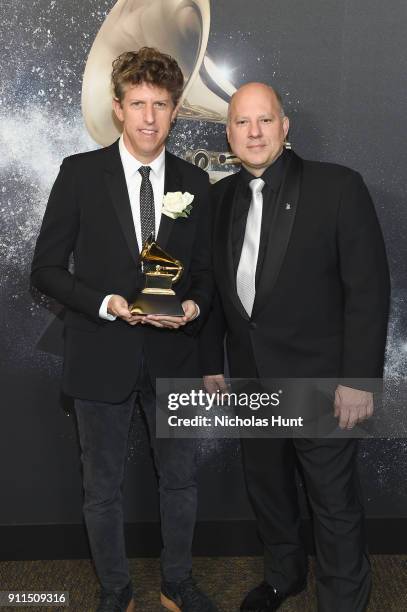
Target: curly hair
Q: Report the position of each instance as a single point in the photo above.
(148, 65)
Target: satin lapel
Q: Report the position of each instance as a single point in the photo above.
(172, 182)
(117, 189)
(223, 246)
(278, 240)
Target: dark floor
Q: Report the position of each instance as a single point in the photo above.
(225, 579)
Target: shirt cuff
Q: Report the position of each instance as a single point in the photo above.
(198, 312)
(103, 314)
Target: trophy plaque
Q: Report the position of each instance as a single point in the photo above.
(158, 297)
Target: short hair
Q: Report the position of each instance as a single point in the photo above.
(148, 65)
(280, 102)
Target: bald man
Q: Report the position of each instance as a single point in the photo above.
(303, 292)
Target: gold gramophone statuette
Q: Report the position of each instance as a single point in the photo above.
(158, 297)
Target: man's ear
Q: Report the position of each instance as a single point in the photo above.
(227, 131)
(286, 126)
(118, 110)
(175, 112)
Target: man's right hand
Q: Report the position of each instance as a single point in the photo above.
(118, 307)
(214, 383)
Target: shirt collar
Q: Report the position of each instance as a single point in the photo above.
(272, 176)
(131, 164)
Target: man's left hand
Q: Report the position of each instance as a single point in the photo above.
(190, 310)
(352, 406)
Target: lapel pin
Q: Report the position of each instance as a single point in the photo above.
(288, 206)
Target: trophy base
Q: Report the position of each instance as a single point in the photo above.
(149, 303)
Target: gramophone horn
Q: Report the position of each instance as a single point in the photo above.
(177, 27)
(154, 254)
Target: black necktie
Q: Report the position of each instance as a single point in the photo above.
(147, 215)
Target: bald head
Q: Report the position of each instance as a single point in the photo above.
(253, 89)
(257, 126)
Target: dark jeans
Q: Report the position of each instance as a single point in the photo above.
(329, 467)
(103, 432)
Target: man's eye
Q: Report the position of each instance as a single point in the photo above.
(266, 120)
(160, 104)
(241, 122)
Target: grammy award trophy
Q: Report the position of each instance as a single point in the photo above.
(158, 297)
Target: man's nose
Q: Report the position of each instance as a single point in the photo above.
(254, 129)
(149, 113)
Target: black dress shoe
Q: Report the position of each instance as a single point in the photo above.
(185, 596)
(266, 598)
(117, 600)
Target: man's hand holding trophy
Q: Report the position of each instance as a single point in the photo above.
(157, 304)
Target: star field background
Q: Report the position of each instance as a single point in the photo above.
(342, 75)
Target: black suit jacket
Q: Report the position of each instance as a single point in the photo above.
(89, 215)
(322, 299)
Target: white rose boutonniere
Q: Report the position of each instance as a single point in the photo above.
(177, 204)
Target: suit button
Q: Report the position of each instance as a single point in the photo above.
(253, 325)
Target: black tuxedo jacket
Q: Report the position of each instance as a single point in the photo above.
(322, 295)
(89, 215)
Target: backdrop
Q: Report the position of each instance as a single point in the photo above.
(342, 73)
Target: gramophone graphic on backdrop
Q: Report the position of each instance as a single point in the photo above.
(180, 28)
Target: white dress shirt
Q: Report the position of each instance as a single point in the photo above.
(131, 166)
